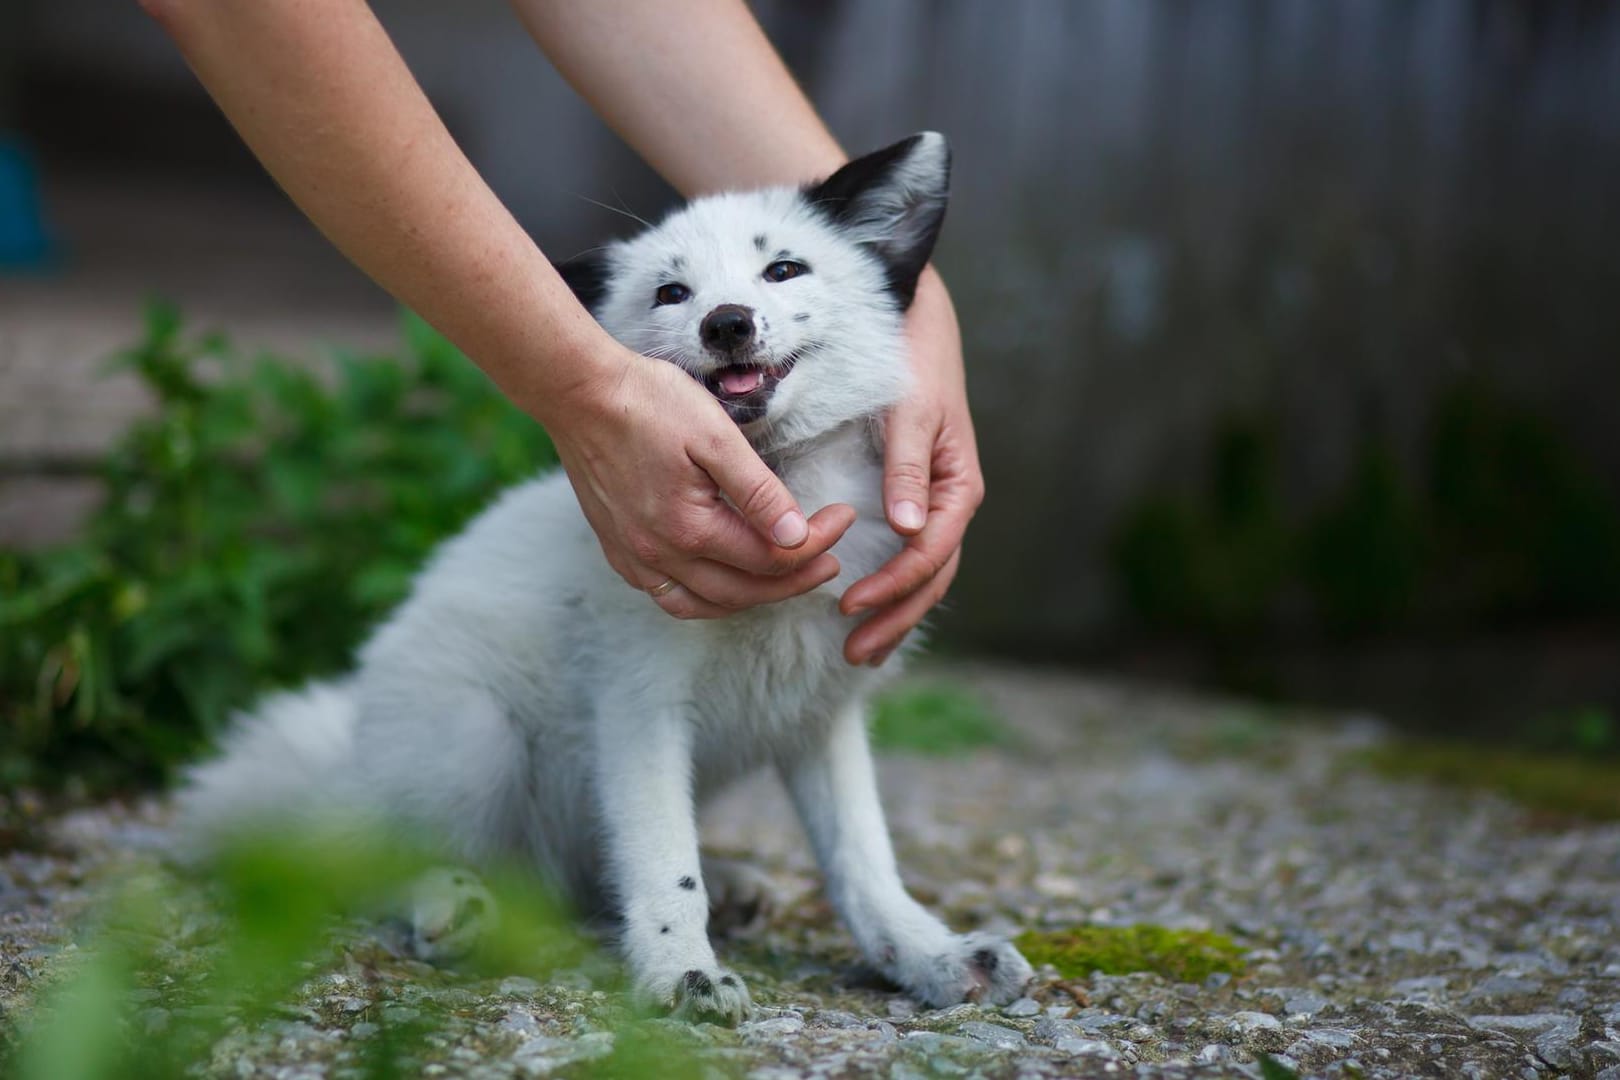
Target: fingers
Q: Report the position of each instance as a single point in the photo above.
(682, 603)
(923, 557)
(733, 590)
(714, 591)
(679, 495)
(874, 639)
(907, 467)
(677, 600)
(726, 538)
(706, 589)
(753, 489)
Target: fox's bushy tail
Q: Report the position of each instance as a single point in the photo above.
(283, 759)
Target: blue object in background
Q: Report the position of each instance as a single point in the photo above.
(25, 243)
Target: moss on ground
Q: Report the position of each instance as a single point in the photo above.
(935, 718)
(1246, 731)
(1178, 955)
(1561, 784)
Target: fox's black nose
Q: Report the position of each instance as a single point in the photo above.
(727, 327)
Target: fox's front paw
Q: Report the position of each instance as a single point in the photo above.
(980, 968)
(699, 995)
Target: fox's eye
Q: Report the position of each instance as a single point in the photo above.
(673, 293)
(785, 269)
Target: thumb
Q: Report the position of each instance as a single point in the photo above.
(907, 461)
(753, 489)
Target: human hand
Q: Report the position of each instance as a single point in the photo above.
(653, 458)
(932, 484)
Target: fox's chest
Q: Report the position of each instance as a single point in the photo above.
(775, 675)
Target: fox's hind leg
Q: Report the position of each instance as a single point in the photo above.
(445, 768)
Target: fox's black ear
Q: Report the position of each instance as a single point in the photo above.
(587, 275)
(892, 201)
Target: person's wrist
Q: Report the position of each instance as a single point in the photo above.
(932, 311)
(931, 321)
(575, 381)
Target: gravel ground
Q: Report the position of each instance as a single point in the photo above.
(1391, 929)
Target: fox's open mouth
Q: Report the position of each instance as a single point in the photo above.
(745, 389)
(737, 382)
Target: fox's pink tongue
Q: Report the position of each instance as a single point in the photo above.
(742, 380)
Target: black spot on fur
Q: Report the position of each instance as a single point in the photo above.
(678, 262)
(760, 243)
(727, 980)
(985, 960)
(587, 275)
(801, 316)
(699, 983)
(687, 883)
(663, 929)
(864, 193)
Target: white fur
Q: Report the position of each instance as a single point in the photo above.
(524, 701)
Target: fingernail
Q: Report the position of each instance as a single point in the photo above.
(908, 515)
(790, 529)
(877, 660)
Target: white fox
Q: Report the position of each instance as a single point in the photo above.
(524, 702)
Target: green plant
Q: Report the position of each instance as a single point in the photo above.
(935, 718)
(1525, 524)
(1365, 552)
(1498, 517)
(254, 525)
(1272, 1069)
(225, 956)
(1213, 564)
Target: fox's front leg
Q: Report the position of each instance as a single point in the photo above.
(644, 781)
(835, 790)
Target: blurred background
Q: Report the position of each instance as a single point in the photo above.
(1292, 335)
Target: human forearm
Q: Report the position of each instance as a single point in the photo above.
(706, 100)
(699, 93)
(324, 100)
